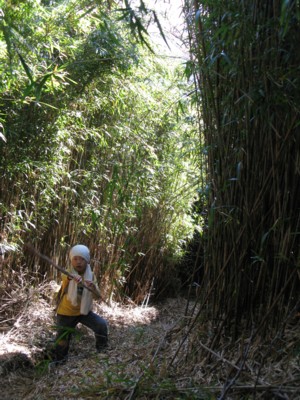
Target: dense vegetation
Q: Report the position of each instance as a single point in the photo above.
(246, 65)
(95, 147)
(172, 176)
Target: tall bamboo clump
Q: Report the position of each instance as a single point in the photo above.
(246, 61)
(93, 149)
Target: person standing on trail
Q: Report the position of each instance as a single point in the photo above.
(75, 304)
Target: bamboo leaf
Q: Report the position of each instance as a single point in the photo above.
(26, 68)
(160, 28)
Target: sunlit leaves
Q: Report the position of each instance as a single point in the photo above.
(96, 149)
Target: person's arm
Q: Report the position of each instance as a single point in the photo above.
(94, 286)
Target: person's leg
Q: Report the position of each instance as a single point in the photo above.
(65, 326)
(98, 326)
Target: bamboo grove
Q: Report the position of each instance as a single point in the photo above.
(94, 148)
(245, 61)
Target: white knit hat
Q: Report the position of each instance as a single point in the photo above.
(80, 250)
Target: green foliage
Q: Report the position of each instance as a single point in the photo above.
(135, 15)
(96, 149)
(247, 70)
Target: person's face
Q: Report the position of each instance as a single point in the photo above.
(79, 264)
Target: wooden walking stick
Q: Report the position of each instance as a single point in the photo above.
(62, 270)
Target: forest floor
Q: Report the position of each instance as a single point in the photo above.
(146, 358)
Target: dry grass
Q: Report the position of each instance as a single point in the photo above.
(146, 359)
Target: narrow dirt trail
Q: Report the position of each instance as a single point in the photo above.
(136, 335)
(143, 341)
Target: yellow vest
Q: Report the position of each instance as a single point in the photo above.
(65, 306)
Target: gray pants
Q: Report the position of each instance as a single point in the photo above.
(66, 324)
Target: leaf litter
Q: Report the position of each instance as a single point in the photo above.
(150, 356)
